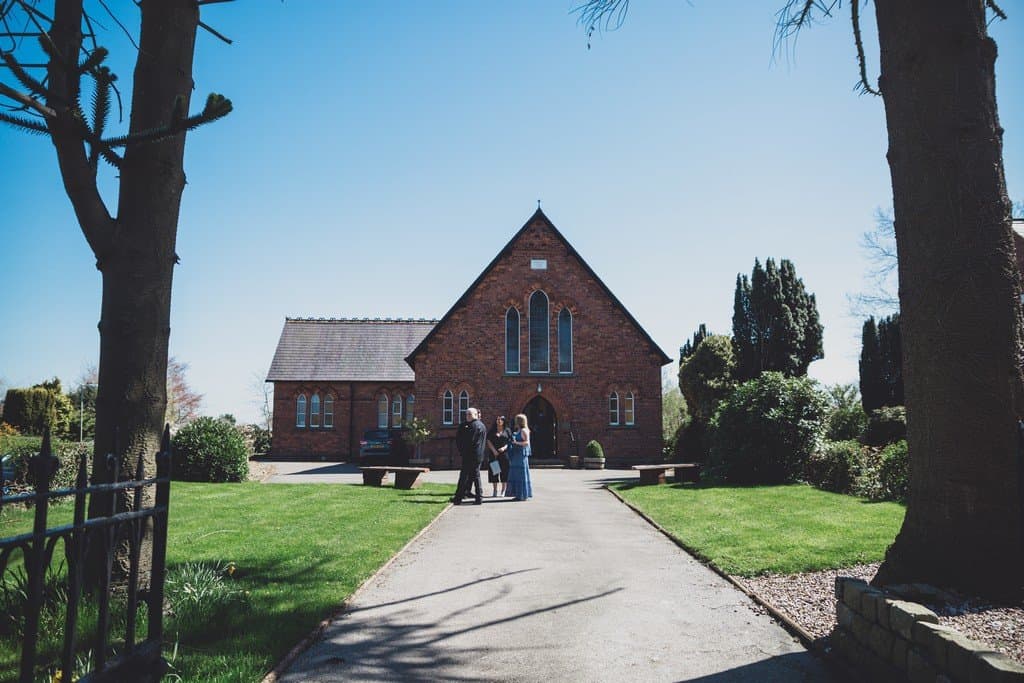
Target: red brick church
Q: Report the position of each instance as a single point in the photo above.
(537, 332)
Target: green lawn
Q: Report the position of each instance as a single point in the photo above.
(751, 530)
(299, 549)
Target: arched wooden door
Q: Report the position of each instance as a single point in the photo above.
(543, 428)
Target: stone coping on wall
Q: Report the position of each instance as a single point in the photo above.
(890, 639)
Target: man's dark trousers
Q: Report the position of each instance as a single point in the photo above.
(470, 441)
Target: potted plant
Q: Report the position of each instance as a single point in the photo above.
(594, 459)
(417, 432)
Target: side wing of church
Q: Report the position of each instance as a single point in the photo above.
(537, 333)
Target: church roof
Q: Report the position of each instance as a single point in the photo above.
(347, 349)
(538, 214)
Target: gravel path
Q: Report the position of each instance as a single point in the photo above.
(809, 600)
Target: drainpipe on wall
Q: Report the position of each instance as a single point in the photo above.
(351, 420)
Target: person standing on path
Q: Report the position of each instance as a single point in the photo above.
(519, 486)
(498, 438)
(470, 441)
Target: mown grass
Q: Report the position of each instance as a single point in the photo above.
(298, 549)
(752, 530)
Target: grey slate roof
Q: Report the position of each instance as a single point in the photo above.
(347, 349)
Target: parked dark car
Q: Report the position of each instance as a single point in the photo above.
(380, 447)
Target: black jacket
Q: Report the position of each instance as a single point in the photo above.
(471, 440)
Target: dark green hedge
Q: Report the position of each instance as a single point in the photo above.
(210, 450)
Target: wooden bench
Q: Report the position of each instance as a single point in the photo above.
(405, 477)
(655, 474)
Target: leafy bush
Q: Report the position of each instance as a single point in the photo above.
(766, 431)
(885, 426)
(706, 376)
(21, 448)
(209, 450)
(884, 474)
(846, 417)
(894, 472)
(256, 438)
(594, 450)
(835, 466)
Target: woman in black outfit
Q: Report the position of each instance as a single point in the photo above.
(498, 437)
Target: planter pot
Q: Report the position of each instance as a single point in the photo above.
(593, 463)
(574, 462)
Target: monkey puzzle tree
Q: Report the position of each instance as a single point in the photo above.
(960, 313)
(134, 246)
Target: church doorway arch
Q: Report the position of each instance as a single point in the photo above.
(543, 428)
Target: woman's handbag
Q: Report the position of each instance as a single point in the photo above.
(495, 467)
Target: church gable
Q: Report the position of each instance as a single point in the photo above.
(538, 258)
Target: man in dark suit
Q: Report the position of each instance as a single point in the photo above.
(470, 441)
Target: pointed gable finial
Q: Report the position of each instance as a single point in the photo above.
(538, 205)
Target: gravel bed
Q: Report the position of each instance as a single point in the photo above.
(809, 600)
(261, 471)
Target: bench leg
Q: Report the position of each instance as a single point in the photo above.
(374, 478)
(648, 477)
(407, 480)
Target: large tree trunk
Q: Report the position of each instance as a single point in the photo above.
(959, 300)
(138, 262)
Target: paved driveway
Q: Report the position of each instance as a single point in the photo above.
(570, 586)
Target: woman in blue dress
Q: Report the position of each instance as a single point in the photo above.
(519, 461)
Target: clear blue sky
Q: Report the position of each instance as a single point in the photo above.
(380, 154)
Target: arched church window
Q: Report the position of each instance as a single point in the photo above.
(300, 411)
(314, 411)
(630, 409)
(396, 411)
(409, 413)
(447, 409)
(565, 341)
(463, 406)
(512, 340)
(539, 332)
(382, 412)
(329, 411)
(613, 409)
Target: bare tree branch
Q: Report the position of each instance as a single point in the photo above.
(863, 85)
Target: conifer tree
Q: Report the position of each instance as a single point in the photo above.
(881, 363)
(775, 322)
(889, 345)
(687, 349)
(871, 390)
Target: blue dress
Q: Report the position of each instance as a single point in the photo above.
(519, 470)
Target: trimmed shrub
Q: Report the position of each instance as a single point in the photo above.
(885, 426)
(31, 410)
(594, 450)
(835, 466)
(209, 450)
(766, 431)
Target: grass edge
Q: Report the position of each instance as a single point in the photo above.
(307, 642)
(816, 645)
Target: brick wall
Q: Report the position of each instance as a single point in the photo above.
(467, 352)
(355, 410)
